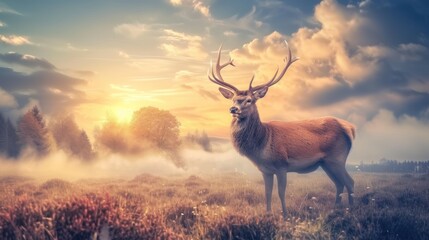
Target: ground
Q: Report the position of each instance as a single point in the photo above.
(219, 206)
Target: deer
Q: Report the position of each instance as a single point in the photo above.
(279, 147)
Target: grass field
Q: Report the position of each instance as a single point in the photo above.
(227, 206)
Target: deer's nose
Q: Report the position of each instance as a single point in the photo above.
(233, 110)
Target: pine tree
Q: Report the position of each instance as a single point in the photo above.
(85, 152)
(32, 132)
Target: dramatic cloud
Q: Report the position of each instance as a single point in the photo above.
(340, 63)
(183, 45)
(54, 91)
(26, 60)
(131, 30)
(14, 40)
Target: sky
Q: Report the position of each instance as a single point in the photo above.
(363, 61)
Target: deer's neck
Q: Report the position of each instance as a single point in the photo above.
(249, 135)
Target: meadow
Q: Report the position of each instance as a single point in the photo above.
(219, 206)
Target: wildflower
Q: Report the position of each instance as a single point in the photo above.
(314, 198)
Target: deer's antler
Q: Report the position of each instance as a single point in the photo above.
(216, 77)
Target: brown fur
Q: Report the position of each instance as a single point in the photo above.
(298, 146)
(290, 144)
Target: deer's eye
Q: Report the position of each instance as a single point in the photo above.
(248, 100)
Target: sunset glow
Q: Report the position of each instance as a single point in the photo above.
(115, 57)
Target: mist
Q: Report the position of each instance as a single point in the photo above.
(222, 159)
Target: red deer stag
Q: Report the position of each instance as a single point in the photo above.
(281, 147)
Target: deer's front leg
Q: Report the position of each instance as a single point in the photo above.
(268, 180)
(282, 181)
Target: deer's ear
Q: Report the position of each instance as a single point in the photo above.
(260, 93)
(226, 93)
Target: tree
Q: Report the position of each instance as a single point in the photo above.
(70, 138)
(158, 126)
(201, 139)
(85, 148)
(32, 132)
(115, 137)
(64, 129)
(9, 144)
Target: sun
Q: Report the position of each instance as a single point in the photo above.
(123, 114)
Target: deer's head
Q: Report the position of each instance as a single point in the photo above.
(244, 101)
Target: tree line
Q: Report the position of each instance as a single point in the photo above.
(31, 131)
(394, 166)
(150, 129)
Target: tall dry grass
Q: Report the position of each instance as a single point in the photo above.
(225, 206)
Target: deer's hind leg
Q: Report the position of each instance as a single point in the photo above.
(339, 175)
(338, 183)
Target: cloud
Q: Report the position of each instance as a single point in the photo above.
(84, 73)
(2, 24)
(26, 60)
(14, 40)
(197, 5)
(6, 100)
(230, 33)
(387, 136)
(340, 65)
(6, 9)
(201, 91)
(248, 23)
(176, 2)
(54, 91)
(183, 45)
(77, 49)
(123, 54)
(131, 30)
(200, 7)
